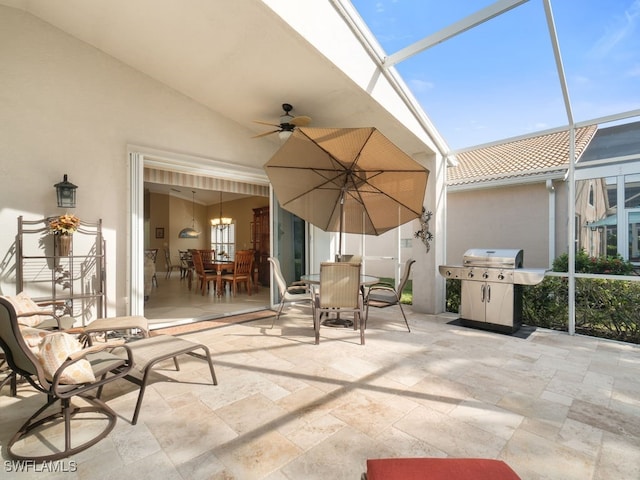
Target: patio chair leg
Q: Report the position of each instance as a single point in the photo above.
(277, 314)
(404, 316)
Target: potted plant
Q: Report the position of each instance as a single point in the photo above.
(63, 227)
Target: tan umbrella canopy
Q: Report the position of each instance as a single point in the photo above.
(347, 180)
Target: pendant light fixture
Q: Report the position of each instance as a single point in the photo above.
(221, 222)
(190, 232)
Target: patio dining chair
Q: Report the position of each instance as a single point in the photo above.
(339, 293)
(56, 364)
(296, 292)
(383, 294)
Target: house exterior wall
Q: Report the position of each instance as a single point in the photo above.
(68, 108)
(502, 217)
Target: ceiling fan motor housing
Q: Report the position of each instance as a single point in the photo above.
(287, 117)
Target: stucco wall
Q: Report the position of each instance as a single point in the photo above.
(509, 217)
(66, 107)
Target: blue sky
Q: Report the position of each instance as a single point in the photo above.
(499, 80)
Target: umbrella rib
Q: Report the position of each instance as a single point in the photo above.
(321, 186)
(381, 192)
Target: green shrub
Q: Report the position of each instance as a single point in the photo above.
(611, 264)
(604, 308)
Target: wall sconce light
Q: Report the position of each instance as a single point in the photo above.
(66, 193)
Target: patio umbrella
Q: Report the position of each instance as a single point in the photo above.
(347, 180)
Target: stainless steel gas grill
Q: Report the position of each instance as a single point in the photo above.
(491, 290)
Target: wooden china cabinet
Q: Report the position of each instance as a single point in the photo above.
(261, 244)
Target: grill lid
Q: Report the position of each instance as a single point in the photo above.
(496, 257)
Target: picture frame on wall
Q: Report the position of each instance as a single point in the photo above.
(159, 232)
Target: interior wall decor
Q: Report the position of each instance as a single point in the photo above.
(159, 232)
(424, 234)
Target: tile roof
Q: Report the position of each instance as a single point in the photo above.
(519, 159)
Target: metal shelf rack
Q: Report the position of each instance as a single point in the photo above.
(76, 282)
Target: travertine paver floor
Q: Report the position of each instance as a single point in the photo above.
(552, 406)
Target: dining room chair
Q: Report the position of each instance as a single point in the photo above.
(205, 277)
(169, 263)
(242, 271)
(208, 257)
(185, 263)
(339, 294)
(384, 294)
(294, 293)
(152, 254)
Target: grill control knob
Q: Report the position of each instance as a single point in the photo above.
(485, 275)
(500, 276)
(448, 273)
(470, 275)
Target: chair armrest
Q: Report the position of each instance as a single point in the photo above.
(63, 390)
(298, 289)
(43, 313)
(382, 285)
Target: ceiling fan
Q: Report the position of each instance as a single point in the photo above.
(287, 123)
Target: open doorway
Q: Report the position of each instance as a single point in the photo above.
(174, 295)
(166, 197)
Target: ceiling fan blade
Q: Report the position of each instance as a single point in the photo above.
(265, 134)
(301, 121)
(266, 123)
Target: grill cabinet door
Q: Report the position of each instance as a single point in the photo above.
(472, 301)
(499, 304)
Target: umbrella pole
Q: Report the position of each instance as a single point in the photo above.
(341, 225)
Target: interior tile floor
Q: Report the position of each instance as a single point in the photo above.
(171, 302)
(552, 406)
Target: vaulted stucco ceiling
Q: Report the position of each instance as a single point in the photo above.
(240, 59)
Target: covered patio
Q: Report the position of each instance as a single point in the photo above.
(552, 406)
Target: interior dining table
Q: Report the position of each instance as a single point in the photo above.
(218, 266)
(365, 280)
